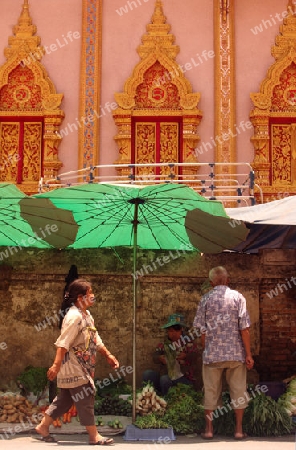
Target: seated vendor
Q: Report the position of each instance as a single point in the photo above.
(176, 355)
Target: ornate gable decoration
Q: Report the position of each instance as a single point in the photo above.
(274, 117)
(27, 92)
(157, 87)
(158, 53)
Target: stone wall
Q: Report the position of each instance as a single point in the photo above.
(32, 283)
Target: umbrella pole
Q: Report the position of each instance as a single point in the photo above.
(135, 230)
(135, 201)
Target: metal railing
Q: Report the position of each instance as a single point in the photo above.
(238, 186)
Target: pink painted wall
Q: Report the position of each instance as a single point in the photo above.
(124, 23)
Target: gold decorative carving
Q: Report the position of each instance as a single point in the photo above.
(31, 152)
(90, 81)
(158, 88)
(224, 9)
(274, 117)
(225, 95)
(25, 92)
(9, 144)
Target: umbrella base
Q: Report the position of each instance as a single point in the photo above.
(133, 433)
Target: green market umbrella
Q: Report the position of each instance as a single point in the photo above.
(29, 222)
(151, 217)
(14, 230)
(55, 226)
(109, 215)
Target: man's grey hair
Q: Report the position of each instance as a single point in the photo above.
(218, 275)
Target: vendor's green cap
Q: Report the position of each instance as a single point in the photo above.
(175, 319)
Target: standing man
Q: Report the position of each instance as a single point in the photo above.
(224, 323)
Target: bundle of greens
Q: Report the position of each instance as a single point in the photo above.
(108, 401)
(266, 417)
(117, 387)
(184, 412)
(152, 420)
(263, 417)
(112, 405)
(288, 399)
(33, 379)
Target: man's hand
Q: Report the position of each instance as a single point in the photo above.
(249, 362)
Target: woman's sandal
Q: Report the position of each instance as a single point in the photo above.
(47, 438)
(104, 441)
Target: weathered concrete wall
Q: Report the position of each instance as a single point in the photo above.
(32, 282)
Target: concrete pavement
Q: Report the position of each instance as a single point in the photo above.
(29, 442)
(24, 437)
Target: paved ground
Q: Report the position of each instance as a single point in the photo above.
(14, 436)
(26, 442)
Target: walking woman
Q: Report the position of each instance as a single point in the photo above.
(74, 364)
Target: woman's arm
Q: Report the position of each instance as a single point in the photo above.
(108, 355)
(54, 369)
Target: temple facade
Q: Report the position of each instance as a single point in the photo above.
(176, 88)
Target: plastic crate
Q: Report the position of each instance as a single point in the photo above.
(133, 433)
(274, 388)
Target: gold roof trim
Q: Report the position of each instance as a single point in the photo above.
(24, 48)
(274, 139)
(284, 52)
(24, 52)
(158, 45)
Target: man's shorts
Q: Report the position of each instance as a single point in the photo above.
(236, 378)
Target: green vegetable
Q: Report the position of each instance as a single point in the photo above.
(112, 405)
(100, 422)
(114, 423)
(265, 417)
(33, 379)
(152, 420)
(184, 412)
(288, 401)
